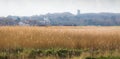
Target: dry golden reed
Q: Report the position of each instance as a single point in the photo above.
(89, 37)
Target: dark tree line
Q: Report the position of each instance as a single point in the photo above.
(63, 19)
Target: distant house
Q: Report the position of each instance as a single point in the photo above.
(46, 21)
(22, 24)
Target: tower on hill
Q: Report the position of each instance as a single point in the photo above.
(78, 12)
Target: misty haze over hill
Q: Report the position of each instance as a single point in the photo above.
(63, 19)
(33, 7)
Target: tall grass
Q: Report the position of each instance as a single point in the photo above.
(60, 37)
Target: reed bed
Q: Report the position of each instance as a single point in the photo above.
(89, 37)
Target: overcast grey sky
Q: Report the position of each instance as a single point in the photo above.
(37, 7)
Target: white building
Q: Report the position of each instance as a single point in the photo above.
(22, 24)
(46, 20)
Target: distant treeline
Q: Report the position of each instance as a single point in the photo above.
(63, 19)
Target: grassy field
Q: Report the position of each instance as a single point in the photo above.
(88, 42)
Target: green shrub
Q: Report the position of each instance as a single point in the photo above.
(3, 55)
(62, 52)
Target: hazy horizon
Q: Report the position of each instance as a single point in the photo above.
(37, 7)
